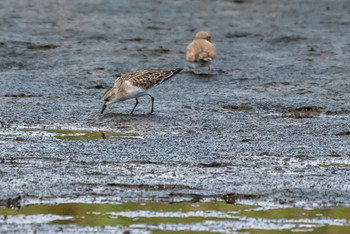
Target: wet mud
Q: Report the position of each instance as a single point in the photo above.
(269, 130)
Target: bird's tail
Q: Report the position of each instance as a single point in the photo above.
(177, 70)
(173, 73)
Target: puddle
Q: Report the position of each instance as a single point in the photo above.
(85, 134)
(166, 218)
(334, 165)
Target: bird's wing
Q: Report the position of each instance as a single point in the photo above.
(124, 77)
(148, 78)
(191, 52)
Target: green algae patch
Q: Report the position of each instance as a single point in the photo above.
(202, 217)
(81, 135)
(91, 135)
(334, 165)
(299, 213)
(125, 214)
(83, 208)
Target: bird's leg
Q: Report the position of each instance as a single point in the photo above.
(195, 66)
(137, 102)
(210, 68)
(152, 103)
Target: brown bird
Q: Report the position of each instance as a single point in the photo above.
(201, 51)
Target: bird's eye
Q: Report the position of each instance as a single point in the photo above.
(107, 99)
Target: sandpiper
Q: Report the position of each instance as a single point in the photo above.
(134, 85)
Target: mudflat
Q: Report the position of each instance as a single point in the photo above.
(269, 130)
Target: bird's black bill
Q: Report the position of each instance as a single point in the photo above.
(103, 108)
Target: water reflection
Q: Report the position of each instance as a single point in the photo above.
(85, 134)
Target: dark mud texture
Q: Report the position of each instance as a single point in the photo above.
(270, 128)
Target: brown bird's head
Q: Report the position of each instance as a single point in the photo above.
(203, 35)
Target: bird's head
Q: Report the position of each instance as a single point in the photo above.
(203, 35)
(108, 98)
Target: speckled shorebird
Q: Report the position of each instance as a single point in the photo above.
(134, 85)
(201, 51)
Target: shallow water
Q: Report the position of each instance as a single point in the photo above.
(335, 165)
(180, 217)
(85, 134)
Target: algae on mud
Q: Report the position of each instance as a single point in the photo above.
(85, 134)
(334, 165)
(187, 217)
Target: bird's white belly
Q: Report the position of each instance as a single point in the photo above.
(133, 91)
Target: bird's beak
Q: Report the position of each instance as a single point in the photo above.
(103, 108)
